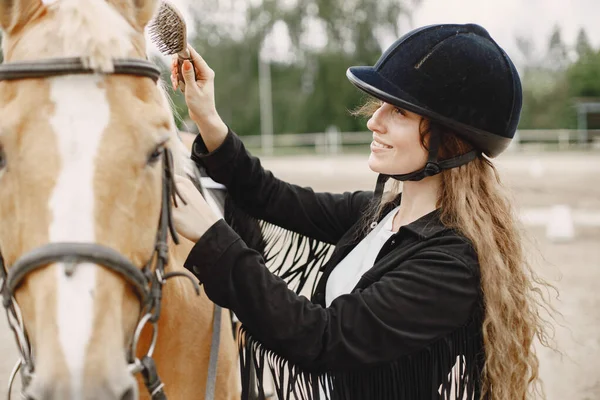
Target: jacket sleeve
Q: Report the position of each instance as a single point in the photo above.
(424, 298)
(322, 216)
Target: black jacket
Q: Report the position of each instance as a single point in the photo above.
(396, 336)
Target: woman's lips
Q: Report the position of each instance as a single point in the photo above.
(378, 146)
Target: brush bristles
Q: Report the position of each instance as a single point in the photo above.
(168, 30)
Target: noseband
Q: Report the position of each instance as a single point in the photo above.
(147, 281)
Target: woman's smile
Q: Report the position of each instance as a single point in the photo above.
(377, 146)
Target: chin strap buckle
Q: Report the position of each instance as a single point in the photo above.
(431, 169)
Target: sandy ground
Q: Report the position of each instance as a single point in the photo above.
(539, 181)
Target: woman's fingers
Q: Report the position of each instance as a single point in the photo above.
(197, 85)
(188, 74)
(174, 71)
(203, 71)
(173, 81)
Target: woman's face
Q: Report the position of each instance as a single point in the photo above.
(396, 147)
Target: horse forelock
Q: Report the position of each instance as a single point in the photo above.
(92, 29)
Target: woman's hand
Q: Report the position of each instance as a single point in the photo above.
(193, 219)
(200, 98)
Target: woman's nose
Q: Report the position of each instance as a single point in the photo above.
(376, 122)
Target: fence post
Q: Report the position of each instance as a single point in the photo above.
(333, 139)
(266, 106)
(563, 139)
(582, 125)
(320, 143)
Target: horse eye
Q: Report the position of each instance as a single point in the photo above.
(155, 156)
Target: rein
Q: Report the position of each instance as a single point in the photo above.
(148, 281)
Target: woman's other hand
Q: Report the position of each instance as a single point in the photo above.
(193, 219)
(200, 98)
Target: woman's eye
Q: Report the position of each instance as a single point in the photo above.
(399, 111)
(155, 156)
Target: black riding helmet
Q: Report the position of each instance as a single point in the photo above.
(455, 75)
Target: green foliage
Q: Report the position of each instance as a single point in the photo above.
(584, 76)
(552, 84)
(304, 103)
(310, 91)
(548, 109)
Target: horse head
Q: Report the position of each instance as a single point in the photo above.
(87, 143)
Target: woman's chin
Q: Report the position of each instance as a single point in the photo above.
(379, 166)
(376, 165)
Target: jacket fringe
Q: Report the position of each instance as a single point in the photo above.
(448, 369)
(295, 258)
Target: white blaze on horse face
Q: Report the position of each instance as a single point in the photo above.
(80, 118)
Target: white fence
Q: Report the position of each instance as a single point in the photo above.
(333, 141)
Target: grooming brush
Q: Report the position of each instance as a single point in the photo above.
(168, 31)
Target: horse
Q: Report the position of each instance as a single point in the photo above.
(88, 149)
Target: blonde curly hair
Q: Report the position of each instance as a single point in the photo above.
(474, 202)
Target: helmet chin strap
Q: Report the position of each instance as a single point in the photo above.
(431, 168)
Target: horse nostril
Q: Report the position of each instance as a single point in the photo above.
(129, 395)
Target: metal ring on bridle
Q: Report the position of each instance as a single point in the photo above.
(138, 332)
(13, 375)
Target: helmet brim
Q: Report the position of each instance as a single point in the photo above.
(370, 81)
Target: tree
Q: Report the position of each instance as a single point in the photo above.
(584, 76)
(583, 46)
(526, 48)
(310, 90)
(557, 56)
(551, 84)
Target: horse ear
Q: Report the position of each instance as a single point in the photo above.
(14, 14)
(144, 11)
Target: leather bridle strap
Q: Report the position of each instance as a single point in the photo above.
(74, 253)
(74, 65)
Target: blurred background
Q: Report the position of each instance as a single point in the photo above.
(280, 83)
(280, 64)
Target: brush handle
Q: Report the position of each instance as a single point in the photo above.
(181, 57)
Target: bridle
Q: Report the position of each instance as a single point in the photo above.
(147, 281)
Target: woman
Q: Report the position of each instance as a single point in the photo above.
(428, 293)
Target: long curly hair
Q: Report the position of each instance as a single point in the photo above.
(473, 201)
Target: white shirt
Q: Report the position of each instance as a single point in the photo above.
(348, 272)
